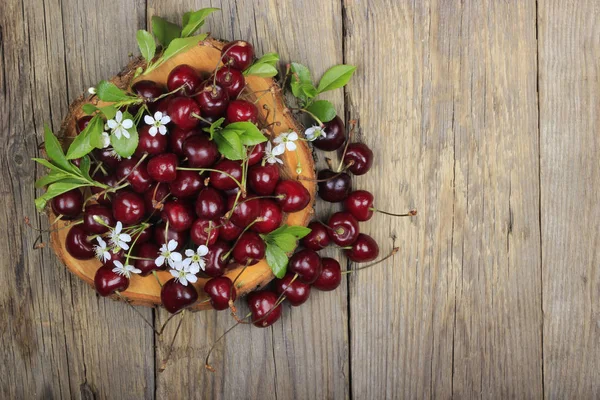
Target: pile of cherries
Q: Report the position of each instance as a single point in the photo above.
(179, 187)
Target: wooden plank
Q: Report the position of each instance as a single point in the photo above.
(60, 341)
(304, 355)
(569, 72)
(447, 101)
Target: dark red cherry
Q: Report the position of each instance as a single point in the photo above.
(296, 292)
(78, 245)
(136, 174)
(307, 264)
(155, 197)
(262, 306)
(204, 232)
(68, 204)
(359, 158)
(216, 260)
(241, 111)
(151, 145)
(237, 54)
(82, 123)
(94, 211)
(213, 99)
(335, 135)
(181, 110)
(180, 237)
(343, 228)
(318, 238)
(161, 105)
(263, 178)
(175, 296)
(149, 90)
(269, 216)
(245, 211)
(255, 153)
(360, 204)
(163, 167)
(220, 290)
(108, 282)
(228, 230)
(128, 207)
(232, 80)
(179, 214)
(107, 157)
(186, 184)
(185, 77)
(110, 180)
(249, 249)
(149, 251)
(334, 187)
(200, 151)
(210, 204)
(118, 256)
(177, 137)
(292, 195)
(144, 236)
(222, 181)
(364, 249)
(331, 275)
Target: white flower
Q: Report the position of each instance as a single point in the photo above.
(185, 272)
(168, 254)
(119, 239)
(271, 154)
(197, 257)
(105, 140)
(285, 141)
(313, 133)
(125, 270)
(119, 126)
(158, 123)
(92, 90)
(102, 252)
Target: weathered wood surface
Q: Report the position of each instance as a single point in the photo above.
(482, 115)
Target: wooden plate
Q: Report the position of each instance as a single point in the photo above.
(204, 57)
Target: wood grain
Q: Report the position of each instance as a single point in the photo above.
(569, 69)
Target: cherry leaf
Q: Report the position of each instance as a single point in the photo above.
(261, 69)
(193, 20)
(125, 147)
(146, 43)
(335, 77)
(249, 134)
(230, 145)
(277, 260)
(86, 141)
(323, 110)
(55, 152)
(165, 31)
(180, 45)
(285, 241)
(108, 91)
(57, 189)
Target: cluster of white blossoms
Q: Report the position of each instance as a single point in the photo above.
(287, 142)
(185, 269)
(118, 240)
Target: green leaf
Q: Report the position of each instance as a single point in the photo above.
(261, 69)
(54, 190)
(214, 127)
(301, 83)
(84, 167)
(50, 166)
(285, 241)
(300, 73)
(269, 58)
(165, 31)
(125, 147)
(193, 20)
(109, 111)
(89, 109)
(277, 260)
(336, 77)
(86, 141)
(108, 91)
(181, 45)
(53, 176)
(230, 145)
(55, 152)
(146, 43)
(323, 110)
(298, 231)
(250, 134)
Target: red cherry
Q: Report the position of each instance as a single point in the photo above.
(144, 236)
(175, 296)
(245, 211)
(222, 181)
(185, 77)
(78, 245)
(318, 238)
(360, 204)
(210, 204)
(255, 153)
(180, 237)
(334, 187)
(262, 306)
(307, 264)
(179, 214)
(249, 249)
(335, 135)
(204, 232)
(241, 111)
(149, 250)
(163, 167)
(68, 204)
(269, 216)
(200, 151)
(228, 230)
(237, 54)
(296, 292)
(149, 90)
(90, 225)
(364, 249)
(216, 262)
(213, 99)
(155, 196)
(118, 256)
(110, 180)
(134, 173)
(186, 184)
(232, 80)
(107, 157)
(292, 195)
(151, 145)
(82, 123)
(343, 228)
(359, 157)
(331, 275)
(181, 110)
(263, 178)
(177, 137)
(220, 290)
(161, 105)
(108, 282)
(128, 207)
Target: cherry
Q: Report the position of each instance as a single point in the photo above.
(263, 178)
(296, 292)
(222, 181)
(154, 196)
(175, 296)
(144, 236)
(318, 238)
(149, 90)
(237, 54)
(163, 167)
(241, 111)
(159, 236)
(245, 211)
(180, 109)
(185, 77)
(213, 99)
(334, 187)
(108, 282)
(134, 173)
(331, 275)
(210, 204)
(216, 262)
(334, 137)
(262, 306)
(128, 207)
(186, 184)
(255, 153)
(161, 105)
(118, 256)
(292, 195)
(360, 204)
(68, 204)
(90, 225)
(358, 158)
(343, 228)
(110, 180)
(249, 249)
(307, 264)
(269, 216)
(220, 290)
(78, 245)
(200, 151)
(204, 232)
(107, 157)
(149, 250)
(82, 123)
(179, 214)
(177, 137)
(151, 145)
(228, 230)
(364, 249)
(232, 80)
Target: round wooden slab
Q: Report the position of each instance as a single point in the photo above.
(204, 57)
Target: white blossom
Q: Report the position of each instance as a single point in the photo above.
(125, 270)
(271, 154)
(185, 272)
(119, 126)
(196, 258)
(158, 123)
(168, 254)
(285, 141)
(105, 138)
(92, 90)
(101, 250)
(119, 239)
(314, 132)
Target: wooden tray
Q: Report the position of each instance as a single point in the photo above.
(204, 57)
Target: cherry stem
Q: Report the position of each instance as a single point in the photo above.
(201, 118)
(231, 306)
(313, 116)
(353, 122)
(155, 274)
(126, 300)
(392, 253)
(166, 360)
(206, 360)
(201, 170)
(411, 213)
(226, 255)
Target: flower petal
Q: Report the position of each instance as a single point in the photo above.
(293, 136)
(112, 124)
(175, 256)
(153, 131)
(174, 273)
(162, 130)
(291, 146)
(165, 120)
(189, 252)
(148, 120)
(160, 260)
(191, 278)
(202, 250)
(279, 149)
(119, 116)
(172, 245)
(127, 124)
(158, 116)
